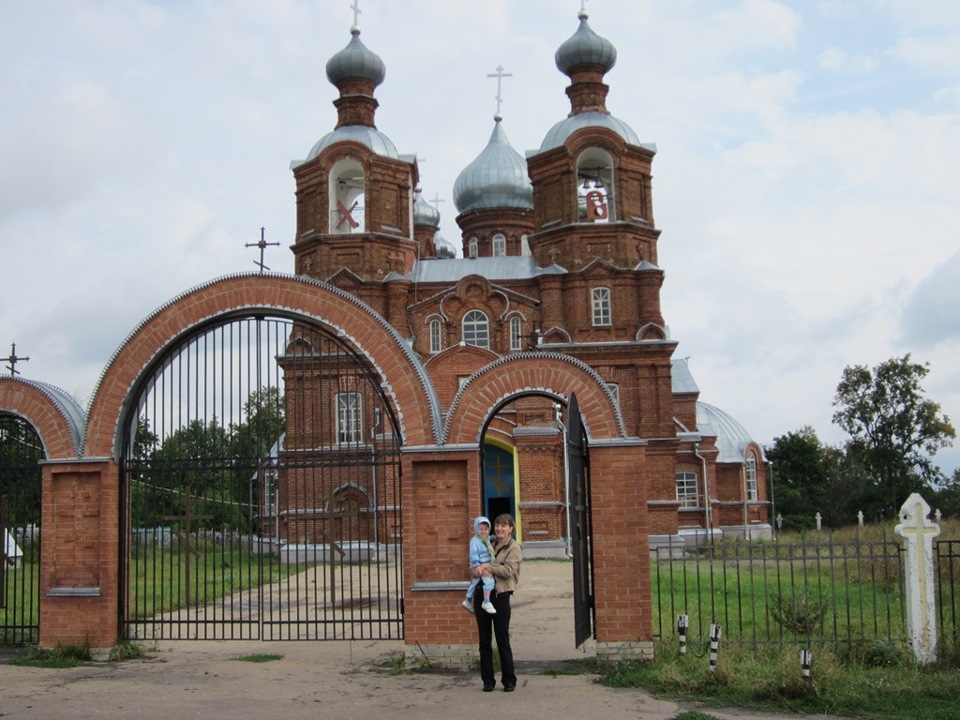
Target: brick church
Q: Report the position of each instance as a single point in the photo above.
(557, 254)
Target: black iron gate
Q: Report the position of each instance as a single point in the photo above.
(262, 481)
(20, 454)
(578, 484)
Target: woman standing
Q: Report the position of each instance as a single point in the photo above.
(505, 569)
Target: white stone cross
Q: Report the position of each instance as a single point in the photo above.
(918, 534)
(860, 518)
(819, 518)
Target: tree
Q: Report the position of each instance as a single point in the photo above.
(799, 480)
(894, 430)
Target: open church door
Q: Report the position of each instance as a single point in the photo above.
(578, 497)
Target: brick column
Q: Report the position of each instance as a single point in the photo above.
(621, 555)
(79, 550)
(441, 496)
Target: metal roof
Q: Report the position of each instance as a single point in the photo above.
(498, 268)
(732, 438)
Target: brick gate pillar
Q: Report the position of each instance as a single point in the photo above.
(79, 550)
(441, 496)
(619, 490)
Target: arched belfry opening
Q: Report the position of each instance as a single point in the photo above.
(595, 186)
(260, 471)
(347, 193)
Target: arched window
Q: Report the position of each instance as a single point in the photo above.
(516, 339)
(472, 248)
(476, 329)
(499, 245)
(436, 344)
(595, 185)
(349, 427)
(602, 314)
(687, 489)
(750, 473)
(615, 392)
(347, 188)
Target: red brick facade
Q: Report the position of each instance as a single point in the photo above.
(578, 311)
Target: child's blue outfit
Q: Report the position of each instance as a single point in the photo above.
(481, 551)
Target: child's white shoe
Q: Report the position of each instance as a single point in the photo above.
(468, 606)
(488, 607)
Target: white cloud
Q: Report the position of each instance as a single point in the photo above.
(839, 60)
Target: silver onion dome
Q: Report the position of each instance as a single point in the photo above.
(356, 61)
(445, 249)
(423, 212)
(585, 47)
(496, 179)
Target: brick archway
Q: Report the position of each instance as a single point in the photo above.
(551, 374)
(405, 381)
(40, 405)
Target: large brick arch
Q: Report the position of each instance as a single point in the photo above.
(402, 374)
(551, 374)
(55, 417)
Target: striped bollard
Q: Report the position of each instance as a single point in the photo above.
(714, 645)
(683, 622)
(806, 660)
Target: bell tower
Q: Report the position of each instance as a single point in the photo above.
(592, 175)
(354, 190)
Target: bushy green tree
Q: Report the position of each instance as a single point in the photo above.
(894, 430)
(799, 478)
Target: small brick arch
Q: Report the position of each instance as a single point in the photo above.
(404, 380)
(35, 404)
(551, 374)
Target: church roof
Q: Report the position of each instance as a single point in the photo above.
(732, 438)
(496, 179)
(585, 47)
(558, 134)
(423, 212)
(682, 381)
(356, 61)
(493, 268)
(370, 137)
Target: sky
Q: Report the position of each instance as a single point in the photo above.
(805, 177)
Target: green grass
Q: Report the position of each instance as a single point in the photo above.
(62, 656)
(159, 582)
(259, 657)
(772, 680)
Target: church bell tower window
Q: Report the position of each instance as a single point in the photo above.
(499, 245)
(347, 188)
(595, 186)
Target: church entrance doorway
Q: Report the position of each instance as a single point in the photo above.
(535, 466)
(260, 474)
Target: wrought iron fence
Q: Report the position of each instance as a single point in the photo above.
(947, 555)
(20, 454)
(778, 593)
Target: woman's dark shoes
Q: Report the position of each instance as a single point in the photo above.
(488, 686)
(507, 688)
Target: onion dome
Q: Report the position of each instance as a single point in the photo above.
(445, 249)
(356, 61)
(496, 179)
(558, 134)
(423, 212)
(585, 47)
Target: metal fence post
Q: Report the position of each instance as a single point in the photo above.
(918, 532)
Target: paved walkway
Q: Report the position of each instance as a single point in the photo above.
(342, 680)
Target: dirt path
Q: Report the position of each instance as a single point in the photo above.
(345, 680)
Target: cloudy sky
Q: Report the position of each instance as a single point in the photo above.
(805, 181)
